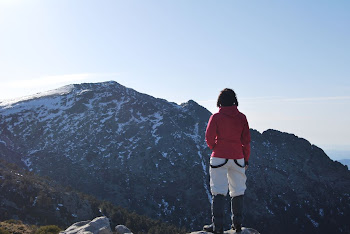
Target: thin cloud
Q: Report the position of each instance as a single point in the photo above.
(57, 80)
(300, 99)
(317, 99)
(246, 99)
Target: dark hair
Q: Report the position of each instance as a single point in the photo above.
(227, 97)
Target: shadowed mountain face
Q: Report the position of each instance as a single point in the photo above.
(41, 201)
(149, 155)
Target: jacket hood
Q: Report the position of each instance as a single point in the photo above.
(229, 110)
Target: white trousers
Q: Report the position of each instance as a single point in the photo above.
(230, 176)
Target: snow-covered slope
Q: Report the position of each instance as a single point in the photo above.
(6, 104)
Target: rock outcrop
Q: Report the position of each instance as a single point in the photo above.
(121, 229)
(99, 225)
(244, 231)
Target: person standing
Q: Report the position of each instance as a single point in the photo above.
(228, 136)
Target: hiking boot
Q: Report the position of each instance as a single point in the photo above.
(237, 227)
(217, 208)
(208, 228)
(237, 212)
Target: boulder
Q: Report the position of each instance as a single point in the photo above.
(99, 225)
(244, 231)
(121, 229)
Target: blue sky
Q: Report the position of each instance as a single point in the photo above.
(288, 61)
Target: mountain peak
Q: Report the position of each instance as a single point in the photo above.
(189, 102)
(196, 110)
(97, 85)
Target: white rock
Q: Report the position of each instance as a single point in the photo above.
(99, 225)
(244, 231)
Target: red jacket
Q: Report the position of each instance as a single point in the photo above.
(228, 134)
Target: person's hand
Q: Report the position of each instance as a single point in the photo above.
(246, 167)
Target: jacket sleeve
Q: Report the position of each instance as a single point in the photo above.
(210, 134)
(245, 139)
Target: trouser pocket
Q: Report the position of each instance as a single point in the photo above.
(240, 162)
(217, 162)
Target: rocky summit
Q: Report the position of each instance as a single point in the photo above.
(149, 155)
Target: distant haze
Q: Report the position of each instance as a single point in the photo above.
(338, 154)
(345, 162)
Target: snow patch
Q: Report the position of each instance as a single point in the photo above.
(156, 123)
(101, 149)
(129, 155)
(34, 202)
(202, 161)
(167, 209)
(321, 212)
(312, 221)
(109, 116)
(270, 211)
(119, 104)
(84, 91)
(195, 136)
(28, 163)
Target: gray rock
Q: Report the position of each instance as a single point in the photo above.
(99, 225)
(244, 231)
(121, 229)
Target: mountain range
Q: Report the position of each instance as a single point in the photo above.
(149, 155)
